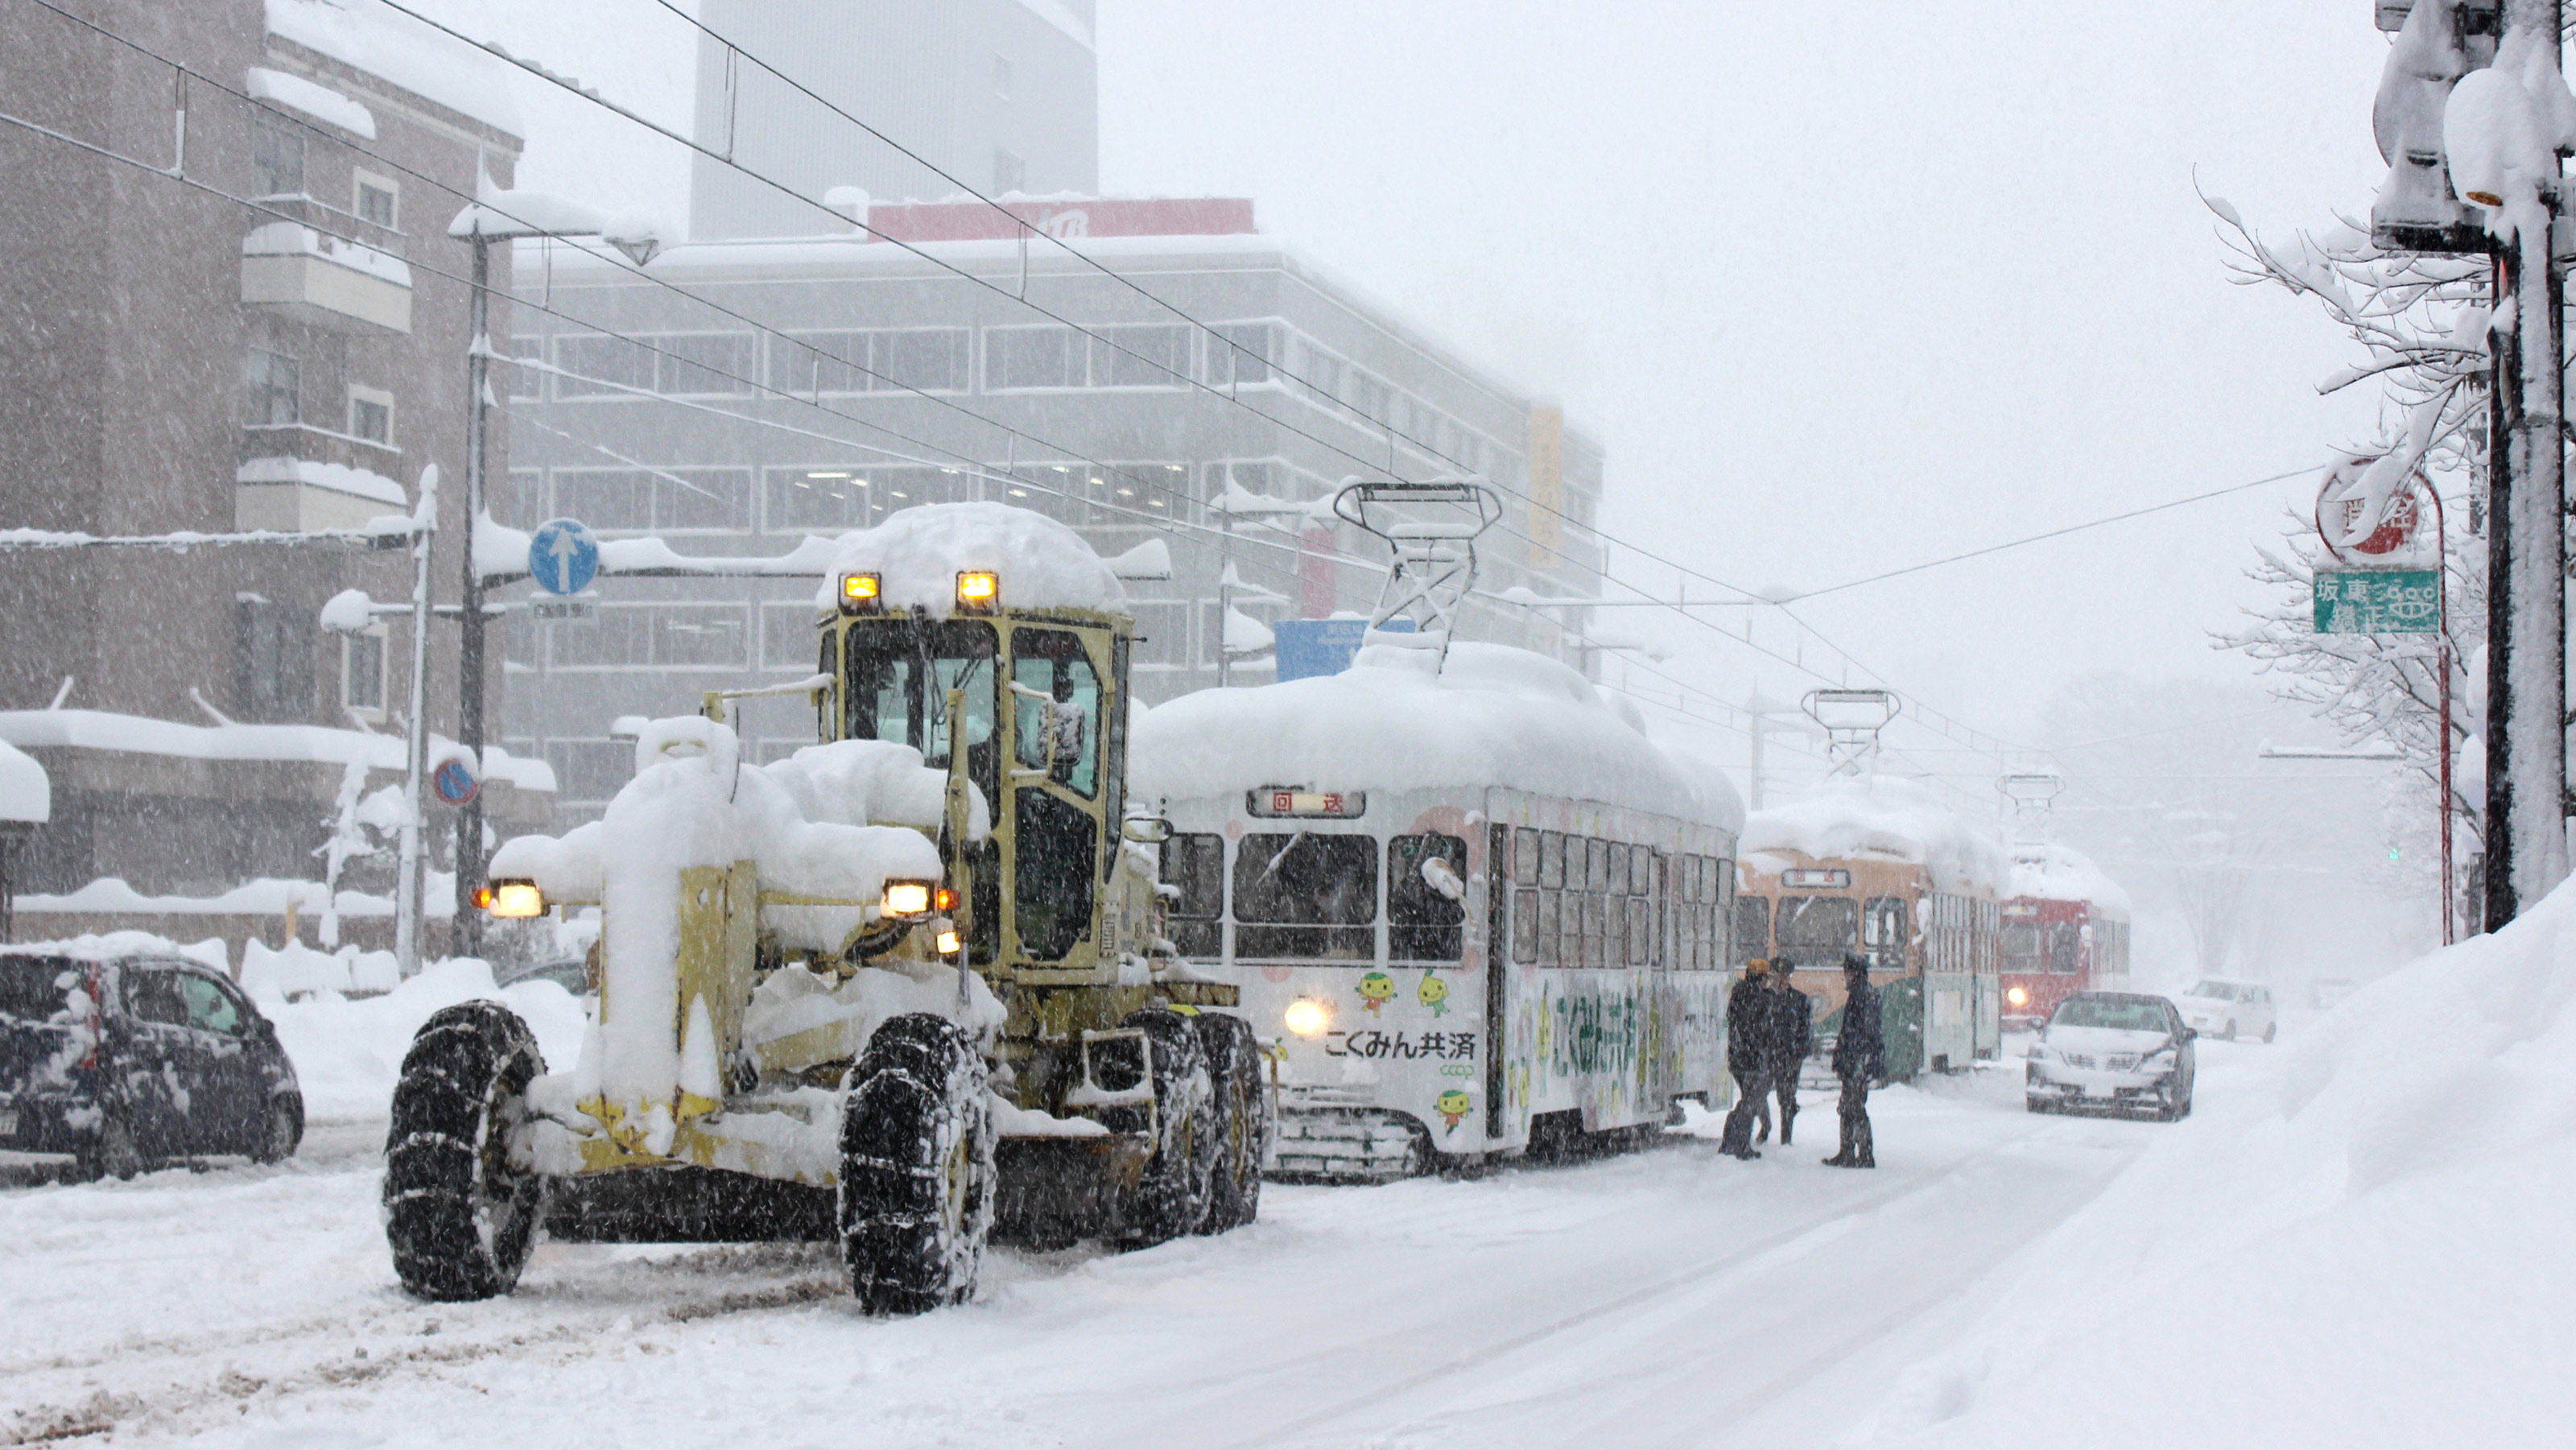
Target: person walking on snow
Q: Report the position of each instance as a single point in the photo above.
(1860, 1056)
(1749, 1056)
(1793, 1035)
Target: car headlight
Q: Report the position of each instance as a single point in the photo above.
(2163, 1061)
(2038, 1052)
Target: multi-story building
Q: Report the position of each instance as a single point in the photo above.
(1002, 95)
(736, 397)
(254, 321)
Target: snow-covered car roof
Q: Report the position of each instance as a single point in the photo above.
(917, 554)
(1493, 716)
(1885, 818)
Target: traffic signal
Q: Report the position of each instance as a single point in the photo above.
(2438, 41)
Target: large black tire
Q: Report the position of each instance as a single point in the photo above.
(1171, 1197)
(460, 1217)
(113, 1155)
(1244, 1121)
(2270, 1031)
(280, 1131)
(917, 1178)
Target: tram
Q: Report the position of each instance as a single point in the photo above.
(1475, 908)
(1881, 868)
(2065, 930)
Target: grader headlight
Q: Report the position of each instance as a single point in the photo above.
(909, 900)
(511, 899)
(861, 593)
(978, 589)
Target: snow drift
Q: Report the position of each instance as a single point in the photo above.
(2373, 1252)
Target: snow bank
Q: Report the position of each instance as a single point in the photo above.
(322, 103)
(916, 555)
(1887, 818)
(347, 1054)
(2371, 1253)
(266, 896)
(26, 794)
(1495, 716)
(296, 970)
(397, 48)
(101, 730)
(2063, 875)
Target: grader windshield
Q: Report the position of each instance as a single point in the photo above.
(899, 674)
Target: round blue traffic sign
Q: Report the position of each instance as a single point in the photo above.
(453, 783)
(563, 556)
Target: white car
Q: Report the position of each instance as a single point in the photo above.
(2112, 1052)
(2225, 1007)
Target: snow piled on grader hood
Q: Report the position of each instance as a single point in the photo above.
(1890, 819)
(2063, 875)
(1494, 714)
(917, 554)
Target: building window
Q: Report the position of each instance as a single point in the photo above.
(362, 673)
(590, 770)
(1151, 355)
(273, 659)
(1241, 353)
(276, 158)
(670, 500)
(271, 386)
(930, 359)
(709, 364)
(680, 636)
(1010, 173)
(1002, 76)
(376, 196)
(371, 415)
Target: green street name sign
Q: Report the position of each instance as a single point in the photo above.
(2391, 601)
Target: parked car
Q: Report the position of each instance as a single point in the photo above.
(128, 1060)
(2224, 1007)
(2120, 1051)
(578, 975)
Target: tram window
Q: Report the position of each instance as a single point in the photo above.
(1883, 922)
(2021, 947)
(1752, 928)
(1525, 851)
(1641, 871)
(1194, 864)
(1525, 927)
(1426, 898)
(1814, 931)
(1548, 948)
(1596, 864)
(1618, 868)
(1686, 877)
(1641, 930)
(2066, 948)
(1052, 662)
(1712, 923)
(1551, 860)
(1306, 895)
(1055, 856)
(1596, 930)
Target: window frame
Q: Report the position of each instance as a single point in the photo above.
(360, 183)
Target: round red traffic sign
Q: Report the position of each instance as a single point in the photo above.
(453, 783)
(2340, 505)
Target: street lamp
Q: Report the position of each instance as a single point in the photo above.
(500, 215)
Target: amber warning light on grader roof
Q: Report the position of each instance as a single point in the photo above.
(511, 899)
(860, 593)
(978, 589)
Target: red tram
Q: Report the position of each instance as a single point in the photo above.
(2065, 930)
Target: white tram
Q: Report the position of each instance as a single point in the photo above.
(1479, 911)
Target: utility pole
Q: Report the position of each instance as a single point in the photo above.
(468, 931)
(2423, 208)
(407, 885)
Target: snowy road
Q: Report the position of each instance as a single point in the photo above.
(1672, 1297)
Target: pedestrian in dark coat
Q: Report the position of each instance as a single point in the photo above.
(1749, 1057)
(1860, 1056)
(1794, 1035)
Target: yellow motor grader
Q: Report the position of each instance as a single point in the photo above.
(955, 1018)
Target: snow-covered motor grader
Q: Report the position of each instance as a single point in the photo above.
(904, 990)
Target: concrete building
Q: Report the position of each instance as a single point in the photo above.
(274, 338)
(736, 397)
(1002, 95)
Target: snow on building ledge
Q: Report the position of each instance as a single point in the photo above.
(298, 273)
(297, 494)
(100, 730)
(26, 794)
(320, 102)
(371, 37)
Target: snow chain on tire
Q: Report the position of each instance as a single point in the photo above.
(1244, 1122)
(917, 1177)
(459, 1216)
(1172, 1195)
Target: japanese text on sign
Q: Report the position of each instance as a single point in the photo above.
(2390, 601)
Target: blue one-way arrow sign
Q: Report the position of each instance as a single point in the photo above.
(563, 556)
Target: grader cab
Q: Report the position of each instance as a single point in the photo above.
(904, 990)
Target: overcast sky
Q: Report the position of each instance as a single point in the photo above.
(1839, 288)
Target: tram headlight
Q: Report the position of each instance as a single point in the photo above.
(978, 589)
(1308, 1018)
(861, 593)
(2017, 996)
(909, 898)
(512, 899)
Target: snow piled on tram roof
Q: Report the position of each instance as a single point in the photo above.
(1886, 818)
(1494, 716)
(2059, 874)
(917, 553)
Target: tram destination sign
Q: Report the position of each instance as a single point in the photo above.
(2378, 601)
